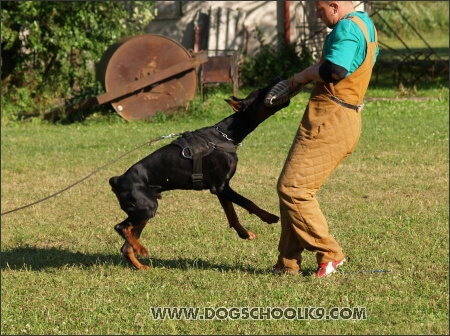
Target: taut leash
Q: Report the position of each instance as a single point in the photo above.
(94, 172)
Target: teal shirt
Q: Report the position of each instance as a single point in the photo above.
(346, 44)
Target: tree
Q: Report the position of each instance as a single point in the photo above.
(49, 48)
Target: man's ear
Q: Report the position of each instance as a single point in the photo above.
(335, 7)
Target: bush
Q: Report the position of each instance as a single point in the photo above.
(271, 60)
(424, 16)
(49, 48)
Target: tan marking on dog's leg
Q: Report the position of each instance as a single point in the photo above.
(128, 252)
(136, 232)
(131, 239)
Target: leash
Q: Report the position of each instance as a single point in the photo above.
(366, 271)
(94, 172)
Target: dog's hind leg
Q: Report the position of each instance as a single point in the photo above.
(128, 252)
(131, 234)
(137, 246)
(233, 219)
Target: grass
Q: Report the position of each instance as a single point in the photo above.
(387, 205)
(416, 65)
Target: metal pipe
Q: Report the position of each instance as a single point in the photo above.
(287, 23)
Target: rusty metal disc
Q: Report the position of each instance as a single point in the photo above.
(139, 56)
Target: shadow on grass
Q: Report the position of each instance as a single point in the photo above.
(37, 259)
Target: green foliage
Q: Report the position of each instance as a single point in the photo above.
(424, 16)
(271, 60)
(50, 47)
(414, 44)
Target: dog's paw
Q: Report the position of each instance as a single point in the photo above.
(270, 218)
(142, 251)
(128, 253)
(251, 235)
(247, 235)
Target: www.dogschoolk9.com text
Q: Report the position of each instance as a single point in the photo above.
(259, 313)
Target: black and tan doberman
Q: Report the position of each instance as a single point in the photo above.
(202, 159)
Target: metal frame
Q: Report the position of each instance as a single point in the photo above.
(221, 68)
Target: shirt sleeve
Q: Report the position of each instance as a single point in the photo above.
(344, 44)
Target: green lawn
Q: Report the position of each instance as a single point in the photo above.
(387, 205)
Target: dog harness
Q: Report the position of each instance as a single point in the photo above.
(196, 145)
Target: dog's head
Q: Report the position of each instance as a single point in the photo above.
(137, 200)
(253, 105)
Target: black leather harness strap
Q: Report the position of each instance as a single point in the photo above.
(194, 146)
(197, 172)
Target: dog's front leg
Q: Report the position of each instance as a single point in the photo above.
(233, 219)
(231, 195)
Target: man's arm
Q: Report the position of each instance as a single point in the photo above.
(327, 72)
(332, 73)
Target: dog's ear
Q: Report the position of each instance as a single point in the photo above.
(235, 104)
(113, 182)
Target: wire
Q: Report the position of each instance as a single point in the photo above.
(93, 173)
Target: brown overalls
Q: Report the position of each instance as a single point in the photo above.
(327, 134)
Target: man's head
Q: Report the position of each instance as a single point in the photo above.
(331, 12)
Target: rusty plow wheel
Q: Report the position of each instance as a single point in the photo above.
(140, 58)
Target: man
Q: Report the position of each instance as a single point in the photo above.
(328, 133)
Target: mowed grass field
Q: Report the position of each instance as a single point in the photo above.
(387, 205)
